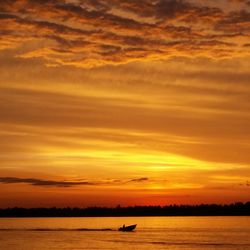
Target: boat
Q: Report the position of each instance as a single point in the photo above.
(127, 228)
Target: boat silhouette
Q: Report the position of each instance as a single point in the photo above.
(127, 228)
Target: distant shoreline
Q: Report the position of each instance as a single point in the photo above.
(235, 209)
(121, 216)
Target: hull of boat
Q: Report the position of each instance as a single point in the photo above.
(127, 228)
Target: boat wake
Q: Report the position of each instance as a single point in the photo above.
(57, 229)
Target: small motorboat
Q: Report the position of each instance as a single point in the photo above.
(127, 228)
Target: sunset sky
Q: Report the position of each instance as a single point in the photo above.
(107, 102)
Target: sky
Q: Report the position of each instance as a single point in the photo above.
(107, 102)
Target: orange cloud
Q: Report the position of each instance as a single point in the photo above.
(94, 33)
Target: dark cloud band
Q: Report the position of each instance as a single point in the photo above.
(52, 183)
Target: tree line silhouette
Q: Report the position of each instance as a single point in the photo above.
(234, 209)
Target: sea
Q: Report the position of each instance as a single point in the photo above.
(175, 233)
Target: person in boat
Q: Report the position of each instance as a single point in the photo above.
(123, 226)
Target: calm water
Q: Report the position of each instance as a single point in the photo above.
(152, 233)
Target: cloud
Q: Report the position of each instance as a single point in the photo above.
(245, 184)
(235, 21)
(39, 182)
(53, 183)
(204, 98)
(139, 179)
(95, 33)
